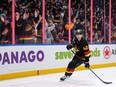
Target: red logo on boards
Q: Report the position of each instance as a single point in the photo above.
(106, 52)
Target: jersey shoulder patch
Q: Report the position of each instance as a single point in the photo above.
(86, 47)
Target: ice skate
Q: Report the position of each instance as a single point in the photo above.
(63, 78)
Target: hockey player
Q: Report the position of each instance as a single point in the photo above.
(82, 52)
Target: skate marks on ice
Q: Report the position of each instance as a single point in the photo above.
(87, 82)
(78, 79)
(51, 82)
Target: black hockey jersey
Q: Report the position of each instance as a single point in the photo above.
(81, 48)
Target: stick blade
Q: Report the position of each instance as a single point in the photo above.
(107, 82)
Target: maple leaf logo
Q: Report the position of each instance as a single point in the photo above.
(106, 52)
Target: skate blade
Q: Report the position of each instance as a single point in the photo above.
(61, 80)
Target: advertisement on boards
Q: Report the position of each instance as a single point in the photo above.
(27, 58)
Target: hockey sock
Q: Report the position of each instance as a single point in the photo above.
(69, 72)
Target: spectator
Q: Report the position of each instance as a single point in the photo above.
(5, 29)
(18, 27)
(48, 35)
(66, 30)
(37, 32)
(26, 37)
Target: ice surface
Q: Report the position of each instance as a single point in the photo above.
(79, 79)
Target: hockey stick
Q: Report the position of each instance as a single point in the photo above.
(94, 72)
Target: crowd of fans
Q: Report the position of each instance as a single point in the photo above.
(29, 28)
(5, 21)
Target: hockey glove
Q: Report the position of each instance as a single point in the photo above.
(87, 65)
(70, 46)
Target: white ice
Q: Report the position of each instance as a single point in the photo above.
(83, 78)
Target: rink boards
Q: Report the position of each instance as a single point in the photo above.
(31, 60)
